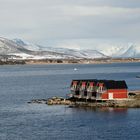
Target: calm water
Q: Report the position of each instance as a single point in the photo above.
(22, 121)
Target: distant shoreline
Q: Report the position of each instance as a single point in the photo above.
(69, 61)
(82, 61)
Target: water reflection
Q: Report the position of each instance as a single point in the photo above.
(101, 109)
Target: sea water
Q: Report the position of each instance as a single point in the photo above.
(22, 121)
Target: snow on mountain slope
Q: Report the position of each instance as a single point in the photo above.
(75, 53)
(92, 54)
(114, 51)
(18, 48)
(7, 47)
(109, 51)
(133, 51)
(28, 50)
(27, 45)
(101, 52)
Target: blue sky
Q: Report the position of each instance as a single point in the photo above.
(101, 21)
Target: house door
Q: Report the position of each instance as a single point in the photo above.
(110, 96)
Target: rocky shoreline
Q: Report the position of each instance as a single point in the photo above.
(53, 101)
(132, 102)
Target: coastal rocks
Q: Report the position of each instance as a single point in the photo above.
(58, 101)
(132, 102)
(128, 103)
(38, 101)
(52, 101)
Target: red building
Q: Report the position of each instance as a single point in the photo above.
(99, 89)
(110, 89)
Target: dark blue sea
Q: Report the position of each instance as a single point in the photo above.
(22, 121)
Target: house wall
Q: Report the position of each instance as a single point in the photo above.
(105, 96)
(117, 94)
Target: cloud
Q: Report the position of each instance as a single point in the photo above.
(41, 20)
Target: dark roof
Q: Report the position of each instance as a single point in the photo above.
(109, 84)
(115, 84)
(87, 80)
(112, 84)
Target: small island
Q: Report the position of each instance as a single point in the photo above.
(96, 93)
(133, 101)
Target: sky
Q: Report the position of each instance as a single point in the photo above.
(96, 22)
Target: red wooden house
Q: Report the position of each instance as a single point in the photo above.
(99, 89)
(110, 89)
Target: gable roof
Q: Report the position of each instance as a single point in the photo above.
(110, 84)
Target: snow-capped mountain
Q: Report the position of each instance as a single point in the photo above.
(27, 45)
(65, 52)
(25, 50)
(78, 53)
(8, 47)
(17, 48)
(92, 54)
(115, 51)
(133, 51)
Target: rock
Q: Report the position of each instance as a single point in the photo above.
(131, 94)
(52, 101)
(39, 101)
(133, 101)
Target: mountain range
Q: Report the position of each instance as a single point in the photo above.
(19, 49)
